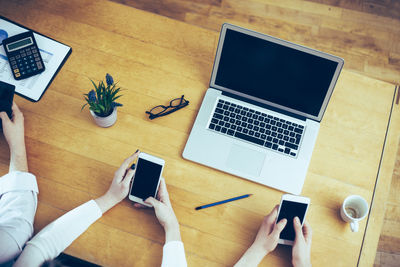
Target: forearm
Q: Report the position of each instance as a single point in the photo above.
(252, 257)
(105, 202)
(172, 233)
(18, 159)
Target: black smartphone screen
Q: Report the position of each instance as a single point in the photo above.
(146, 179)
(6, 97)
(289, 210)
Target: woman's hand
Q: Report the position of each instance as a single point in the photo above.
(119, 187)
(301, 252)
(265, 241)
(164, 212)
(13, 131)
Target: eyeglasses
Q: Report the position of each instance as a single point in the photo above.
(174, 105)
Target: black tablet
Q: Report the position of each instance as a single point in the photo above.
(6, 98)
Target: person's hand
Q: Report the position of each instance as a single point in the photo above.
(119, 187)
(13, 129)
(302, 244)
(265, 241)
(164, 212)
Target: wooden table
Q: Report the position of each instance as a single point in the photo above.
(155, 59)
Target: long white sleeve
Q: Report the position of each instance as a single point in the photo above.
(173, 255)
(18, 203)
(58, 235)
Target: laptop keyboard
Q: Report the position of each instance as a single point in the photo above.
(257, 127)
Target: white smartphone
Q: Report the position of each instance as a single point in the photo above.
(147, 178)
(290, 207)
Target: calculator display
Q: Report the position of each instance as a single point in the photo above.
(19, 44)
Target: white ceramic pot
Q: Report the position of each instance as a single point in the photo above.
(105, 121)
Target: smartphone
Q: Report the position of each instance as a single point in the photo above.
(147, 178)
(6, 98)
(290, 207)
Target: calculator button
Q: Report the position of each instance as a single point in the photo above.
(17, 75)
(37, 59)
(39, 65)
(29, 53)
(34, 50)
(16, 70)
(12, 58)
(17, 56)
(36, 55)
(23, 55)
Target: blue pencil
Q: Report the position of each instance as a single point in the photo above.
(222, 202)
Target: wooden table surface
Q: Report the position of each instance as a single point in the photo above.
(155, 59)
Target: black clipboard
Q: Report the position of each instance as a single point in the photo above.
(59, 67)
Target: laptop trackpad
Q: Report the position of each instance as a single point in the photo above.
(245, 160)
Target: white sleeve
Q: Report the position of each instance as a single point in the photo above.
(18, 203)
(173, 255)
(58, 235)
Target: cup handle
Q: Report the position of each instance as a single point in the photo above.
(354, 226)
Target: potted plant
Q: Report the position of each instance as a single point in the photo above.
(101, 101)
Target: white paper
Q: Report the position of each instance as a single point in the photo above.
(52, 52)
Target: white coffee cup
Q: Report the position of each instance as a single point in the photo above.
(354, 209)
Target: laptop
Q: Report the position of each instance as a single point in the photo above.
(260, 118)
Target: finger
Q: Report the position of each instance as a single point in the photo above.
(124, 166)
(128, 177)
(163, 192)
(279, 227)
(153, 202)
(16, 112)
(140, 206)
(307, 231)
(297, 228)
(4, 117)
(271, 217)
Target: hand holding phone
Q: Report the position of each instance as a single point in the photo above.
(291, 206)
(147, 178)
(6, 98)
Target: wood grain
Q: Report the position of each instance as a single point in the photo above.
(155, 58)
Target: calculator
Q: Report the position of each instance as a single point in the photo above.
(23, 55)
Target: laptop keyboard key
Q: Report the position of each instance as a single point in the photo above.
(257, 135)
(249, 138)
(245, 130)
(224, 130)
(298, 130)
(212, 126)
(218, 116)
(274, 146)
(218, 128)
(219, 111)
(287, 150)
(292, 146)
(268, 144)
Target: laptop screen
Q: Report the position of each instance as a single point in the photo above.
(274, 71)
